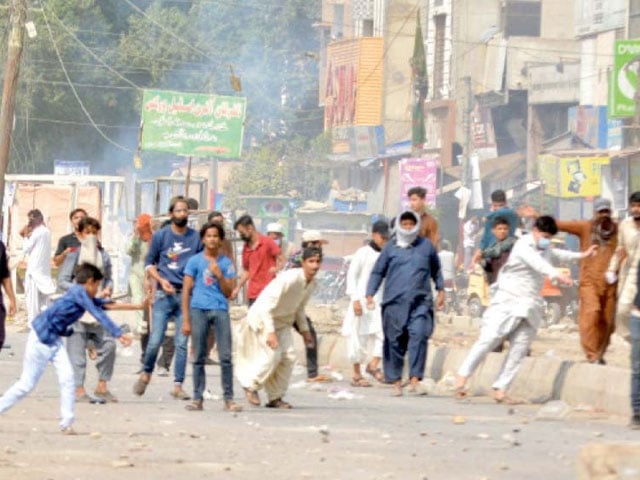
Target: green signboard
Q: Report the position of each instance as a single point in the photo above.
(192, 124)
(625, 78)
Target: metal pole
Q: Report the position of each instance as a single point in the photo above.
(188, 178)
(467, 133)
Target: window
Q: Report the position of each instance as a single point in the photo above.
(338, 21)
(522, 18)
(438, 55)
(367, 28)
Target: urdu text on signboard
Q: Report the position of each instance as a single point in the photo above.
(193, 124)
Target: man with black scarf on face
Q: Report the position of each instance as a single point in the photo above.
(171, 248)
(596, 320)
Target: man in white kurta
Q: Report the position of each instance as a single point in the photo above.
(516, 306)
(38, 284)
(265, 355)
(363, 327)
(623, 266)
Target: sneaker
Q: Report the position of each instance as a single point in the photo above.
(635, 421)
(163, 372)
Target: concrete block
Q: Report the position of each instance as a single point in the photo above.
(536, 380)
(336, 354)
(612, 461)
(598, 386)
(435, 362)
(452, 360)
(482, 380)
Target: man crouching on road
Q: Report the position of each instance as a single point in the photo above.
(265, 353)
(517, 307)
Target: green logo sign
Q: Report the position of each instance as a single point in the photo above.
(193, 124)
(625, 78)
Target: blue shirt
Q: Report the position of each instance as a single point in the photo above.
(56, 320)
(509, 214)
(169, 252)
(207, 294)
(407, 272)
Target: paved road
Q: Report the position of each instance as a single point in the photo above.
(373, 436)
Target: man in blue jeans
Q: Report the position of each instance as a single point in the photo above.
(210, 277)
(170, 250)
(634, 327)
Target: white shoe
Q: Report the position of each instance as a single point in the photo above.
(163, 372)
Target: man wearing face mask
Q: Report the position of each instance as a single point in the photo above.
(87, 328)
(596, 320)
(517, 307)
(171, 247)
(407, 264)
(38, 283)
(261, 259)
(623, 267)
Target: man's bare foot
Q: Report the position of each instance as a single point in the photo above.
(397, 389)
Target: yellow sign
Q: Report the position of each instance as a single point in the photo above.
(571, 177)
(580, 176)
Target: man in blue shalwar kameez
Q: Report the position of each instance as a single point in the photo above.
(407, 264)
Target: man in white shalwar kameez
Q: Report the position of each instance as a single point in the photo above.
(516, 306)
(363, 327)
(38, 284)
(265, 355)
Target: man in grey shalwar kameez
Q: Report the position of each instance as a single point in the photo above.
(516, 306)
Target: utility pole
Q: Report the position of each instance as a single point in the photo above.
(17, 18)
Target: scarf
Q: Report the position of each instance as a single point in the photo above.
(602, 230)
(90, 252)
(405, 238)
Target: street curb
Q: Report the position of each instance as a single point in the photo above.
(539, 380)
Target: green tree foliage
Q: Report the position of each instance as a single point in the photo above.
(293, 167)
(110, 50)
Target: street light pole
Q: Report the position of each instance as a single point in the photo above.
(17, 18)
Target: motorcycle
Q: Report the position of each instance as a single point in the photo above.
(332, 284)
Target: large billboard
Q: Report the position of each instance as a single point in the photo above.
(623, 86)
(193, 124)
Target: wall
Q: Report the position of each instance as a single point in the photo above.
(596, 55)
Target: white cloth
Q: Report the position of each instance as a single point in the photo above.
(629, 243)
(521, 278)
(516, 307)
(38, 282)
(447, 264)
(282, 302)
(277, 308)
(37, 356)
(364, 332)
(259, 366)
(469, 230)
(89, 252)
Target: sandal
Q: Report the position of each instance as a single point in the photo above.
(278, 403)
(140, 386)
(194, 406)
(460, 393)
(375, 373)
(360, 382)
(107, 396)
(180, 395)
(231, 406)
(397, 390)
(252, 397)
(320, 379)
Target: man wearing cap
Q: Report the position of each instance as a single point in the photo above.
(596, 320)
(276, 233)
(260, 259)
(310, 238)
(363, 327)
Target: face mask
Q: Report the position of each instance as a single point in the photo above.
(544, 243)
(180, 222)
(278, 241)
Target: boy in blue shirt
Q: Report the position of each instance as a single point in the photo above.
(44, 344)
(171, 248)
(210, 277)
